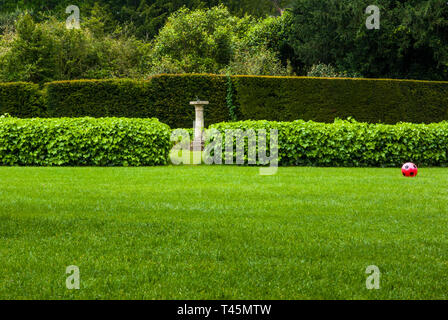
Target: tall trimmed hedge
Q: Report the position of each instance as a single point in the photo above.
(165, 97)
(350, 143)
(21, 99)
(83, 142)
(325, 99)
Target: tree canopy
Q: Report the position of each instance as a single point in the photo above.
(240, 36)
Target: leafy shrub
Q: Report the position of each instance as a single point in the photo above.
(83, 142)
(21, 99)
(350, 143)
(213, 41)
(323, 70)
(199, 40)
(274, 34)
(328, 71)
(256, 61)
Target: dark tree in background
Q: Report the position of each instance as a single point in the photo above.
(412, 41)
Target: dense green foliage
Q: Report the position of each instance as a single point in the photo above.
(328, 71)
(412, 41)
(222, 232)
(21, 99)
(47, 51)
(320, 99)
(350, 143)
(83, 142)
(165, 97)
(198, 41)
(211, 41)
(141, 18)
(145, 14)
(144, 37)
(142, 142)
(214, 41)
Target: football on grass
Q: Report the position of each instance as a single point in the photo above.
(409, 170)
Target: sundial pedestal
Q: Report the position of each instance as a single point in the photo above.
(197, 146)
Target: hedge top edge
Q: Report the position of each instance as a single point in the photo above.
(234, 76)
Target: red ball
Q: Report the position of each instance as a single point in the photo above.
(409, 170)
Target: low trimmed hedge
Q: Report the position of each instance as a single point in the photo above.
(21, 99)
(146, 142)
(166, 97)
(350, 143)
(83, 142)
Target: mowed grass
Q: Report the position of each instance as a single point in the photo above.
(217, 232)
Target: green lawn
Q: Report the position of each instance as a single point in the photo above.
(223, 233)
